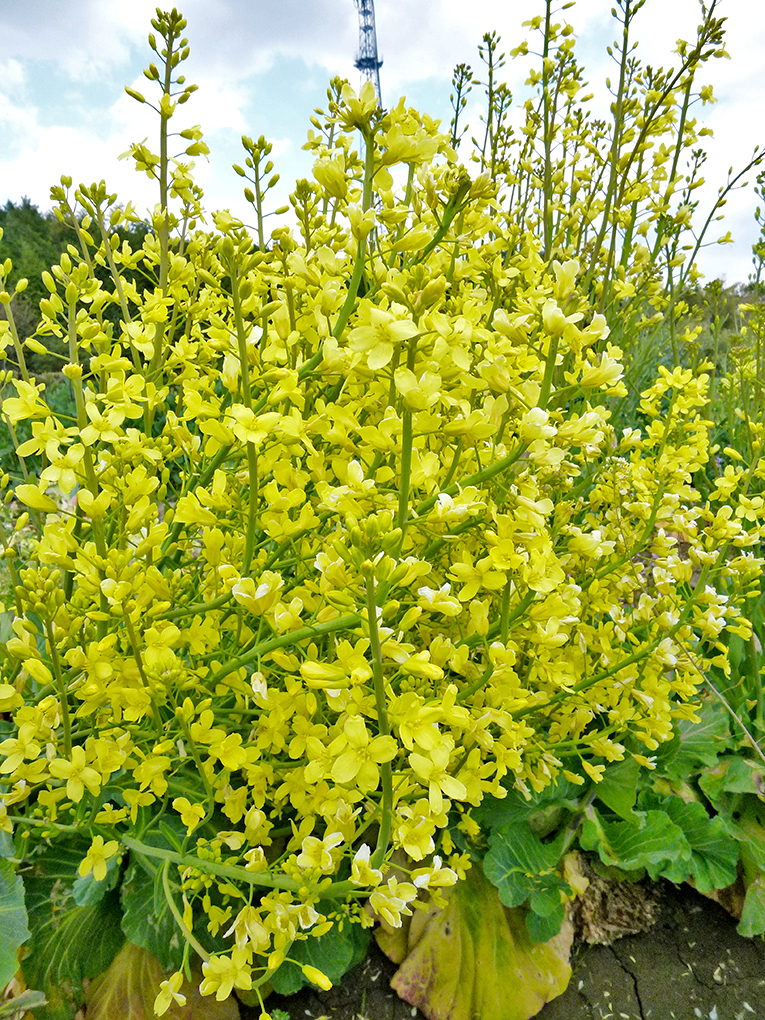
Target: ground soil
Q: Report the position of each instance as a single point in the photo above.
(692, 965)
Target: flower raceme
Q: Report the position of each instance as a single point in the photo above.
(354, 545)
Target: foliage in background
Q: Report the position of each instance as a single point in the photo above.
(356, 563)
(33, 242)
(618, 192)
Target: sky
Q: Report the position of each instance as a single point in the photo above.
(263, 65)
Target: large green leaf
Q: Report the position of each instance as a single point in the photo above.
(618, 789)
(475, 958)
(543, 811)
(147, 920)
(695, 744)
(13, 920)
(732, 774)
(749, 829)
(650, 845)
(522, 867)
(7, 849)
(68, 942)
(334, 954)
(753, 913)
(714, 852)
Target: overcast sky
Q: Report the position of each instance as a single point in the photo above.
(262, 65)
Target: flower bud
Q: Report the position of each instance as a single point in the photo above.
(317, 977)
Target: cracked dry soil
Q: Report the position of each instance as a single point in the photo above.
(692, 964)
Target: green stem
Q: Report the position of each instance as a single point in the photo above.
(406, 471)
(201, 608)
(285, 641)
(62, 694)
(552, 357)
(252, 457)
(504, 624)
(475, 479)
(332, 890)
(87, 458)
(17, 345)
(144, 678)
(386, 773)
(177, 914)
(547, 136)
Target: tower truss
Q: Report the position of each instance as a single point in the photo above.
(368, 61)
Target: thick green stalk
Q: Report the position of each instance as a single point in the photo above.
(383, 726)
(201, 608)
(188, 935)
(144, 679)
(613, 159)
(87, 459)
(285, 641)
(406, 470)
(484, 475)
(17, 345)
(62, 692)
(361, 253)
(547, 135)
(328, 890)
(252, 457)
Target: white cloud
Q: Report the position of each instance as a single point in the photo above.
(256, 61)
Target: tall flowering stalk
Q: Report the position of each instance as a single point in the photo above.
(344, 543)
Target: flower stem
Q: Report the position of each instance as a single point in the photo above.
(187, 934)
(386, 773)
(62, 697)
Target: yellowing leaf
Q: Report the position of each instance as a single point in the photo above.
(131, 984)
(475, 958)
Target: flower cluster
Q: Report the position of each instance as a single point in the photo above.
(351, 544)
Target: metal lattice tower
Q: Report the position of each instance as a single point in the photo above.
(367, 61)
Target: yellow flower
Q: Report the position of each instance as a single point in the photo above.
(16, 750)
(224, 973)
(259, 597)
(432, 771)
(191, 814)
(103, 428)
(229, 751)
(169, 993)
(362, 873)
(316, 977)
(96, 858)
(535, 425)
(434, 877)
(27, 404)
(35, 498)
(419, 393)
(595, 772)
(384, 332)
(47, 437)
(248, 928)
(392, 900)
(439, 600)
(317, 853)
(360, 756)
(356, 111)
(78, 775)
